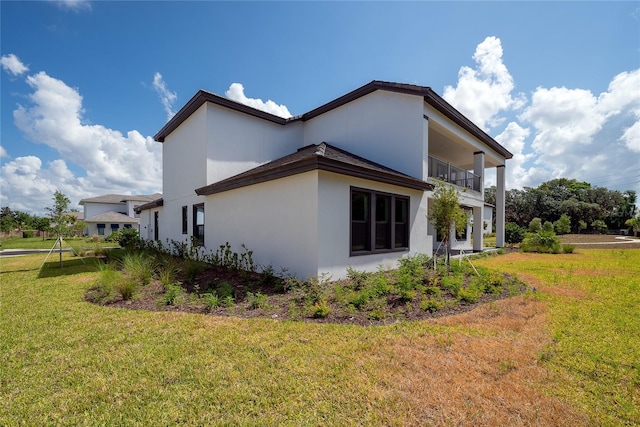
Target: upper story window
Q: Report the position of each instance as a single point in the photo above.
(379, 222)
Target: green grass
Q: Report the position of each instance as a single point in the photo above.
(594, 303)
(68, 362)
(37, 243)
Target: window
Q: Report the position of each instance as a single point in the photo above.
(127, 226)
(115, 227)
(101, 228)
(184, 220)
(198, 224)
(379, 222)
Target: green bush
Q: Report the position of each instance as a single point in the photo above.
(469, 295)
(453, 284)
(513, 233)
(126, 288)
(225, 290)
(320, 309)
(431, 305)
(210, 300)
(172, 293)
(27, 234)
(139, 266)
(257, 300)
(535, 225)
(563, 225)
(568, 249)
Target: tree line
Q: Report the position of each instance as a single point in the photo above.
(576, 204)
(60, 220)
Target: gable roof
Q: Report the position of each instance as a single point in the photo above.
(322, 157)
(430, 97)
(120, 198)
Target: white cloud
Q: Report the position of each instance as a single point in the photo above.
(167, 97)
(631, 135)
(236, 93)
(114, 163)
(3, 152)
(74, 5)
(484, 92)
(578, 134)
(13, 65)
(561, 131)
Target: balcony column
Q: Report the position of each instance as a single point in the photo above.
(478, 229)
(500, 205)
(478, 169)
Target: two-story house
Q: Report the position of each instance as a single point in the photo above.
(347, 184)
(111, 212)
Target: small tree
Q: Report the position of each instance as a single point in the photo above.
(600, 226)
(535, 225)
(447, 215)
(582, 225)
(563, 225)
(634, 225)
(60, 217)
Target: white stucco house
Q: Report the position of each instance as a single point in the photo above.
(111, 212)
(346, 184)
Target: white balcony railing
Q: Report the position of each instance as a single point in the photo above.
(451, 174)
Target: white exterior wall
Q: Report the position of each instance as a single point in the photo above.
(92, 209)
(384, 127)
(237, 142)
(334, 224)
(277, 220)
(184, 165)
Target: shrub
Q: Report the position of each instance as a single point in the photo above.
(320, 309)
(568, 249)
(513, 233)
(139, 266)
(192, 268)
(563, 225)
(469, 295)
(357, 277)
(257, 300)
(225, 290)
(127, 238)
(172, 293)
(431, 305)
(126, 288)
(535, 225)
(547, 226)
(210, 300)
(543, 241)
(451, 284)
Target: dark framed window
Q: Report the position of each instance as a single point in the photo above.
(198, 224)
(101, 228)
(184, 220)
(379, 222)
(127, 226)
(115, 227)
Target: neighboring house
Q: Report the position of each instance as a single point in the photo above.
(349, 183)
(111, 212)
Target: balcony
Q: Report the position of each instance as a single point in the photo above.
(453, 175)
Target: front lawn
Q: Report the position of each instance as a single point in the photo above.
(564, 355)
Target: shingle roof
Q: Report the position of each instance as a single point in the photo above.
(113, 217)
(430, 97)
(120, 198)
(322, 156)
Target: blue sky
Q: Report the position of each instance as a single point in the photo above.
(85, 85)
